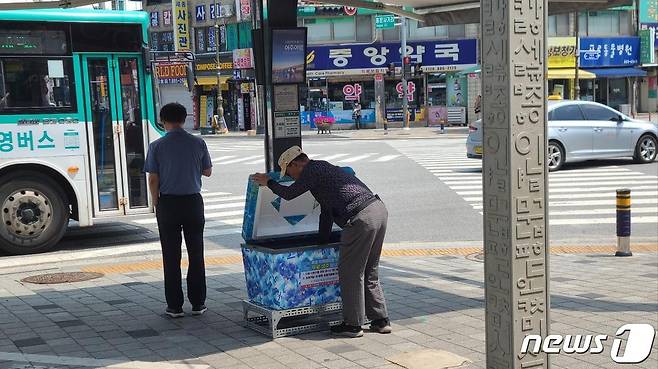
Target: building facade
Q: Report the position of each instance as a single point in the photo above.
(212, 28)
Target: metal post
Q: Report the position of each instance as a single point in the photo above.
(576, 76)
(403, 54)
(515, 181)
(624, 222)
(220, 100)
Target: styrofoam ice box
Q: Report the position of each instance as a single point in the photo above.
(291, 277)
(268, 217)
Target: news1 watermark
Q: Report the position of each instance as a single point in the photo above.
(636, 347)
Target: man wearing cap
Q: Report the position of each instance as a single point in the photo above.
(349, 203)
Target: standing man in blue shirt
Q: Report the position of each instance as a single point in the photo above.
(175, 164)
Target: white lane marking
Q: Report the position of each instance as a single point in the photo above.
(602, 181)
(611, 203)
(601, 211)
(225, 206)
(606, 190)
(634, 220)
(385, 158)
(259, 161)
(247, 158)
(215, 160)
(223, 222)
(330, 157)
(584, 196)
(221, 199)
(221, 232)
(213, 194)
(95, 363)
(357, 158)
(475, 185)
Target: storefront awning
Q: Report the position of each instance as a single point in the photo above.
(473, 69)
(568, 73)
(212, 81)
(618, 72)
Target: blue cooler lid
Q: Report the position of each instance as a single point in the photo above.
(269, 218)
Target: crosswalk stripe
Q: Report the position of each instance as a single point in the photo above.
(580, 221)
(331, 157)
(213, 194)
(259, 161)
(356, 158)
(223, 214)
(221, 232)
(478, 202)
(478, 185)
(602, 211)
(608, 191)
(222, 199)
(224, 206)
(214, 160)
(557, 182)
(247, 158)
(583, 196)
(224, 222)
(385, 158)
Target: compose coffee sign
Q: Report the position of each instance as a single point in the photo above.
(289, 55)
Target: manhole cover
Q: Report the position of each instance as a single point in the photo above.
(478, 256)
(54, 278)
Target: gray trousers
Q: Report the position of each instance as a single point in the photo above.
(361, 247)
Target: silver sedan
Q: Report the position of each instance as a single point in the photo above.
(583, 130)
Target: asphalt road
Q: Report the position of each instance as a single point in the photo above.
(432, 191)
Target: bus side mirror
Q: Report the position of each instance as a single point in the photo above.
(146, 57)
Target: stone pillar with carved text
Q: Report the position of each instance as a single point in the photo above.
(514, 179)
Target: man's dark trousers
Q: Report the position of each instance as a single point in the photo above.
(176, 214)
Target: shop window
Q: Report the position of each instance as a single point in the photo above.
(317, 31)
(416, 32)
(456, 31)
(364, 28)
(206, 37)
(603, 23)
(38, 85)
(344, 29)
(558, 25)
(394, 101)
(339, 101)
(163, 41)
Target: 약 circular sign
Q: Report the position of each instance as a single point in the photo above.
(349, 10)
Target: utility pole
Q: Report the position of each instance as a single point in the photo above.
(576, 76)
(403, 56)
(220, 101)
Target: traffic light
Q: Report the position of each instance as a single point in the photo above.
(391, 70)
(418, 69)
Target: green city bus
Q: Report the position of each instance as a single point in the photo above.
(77, 112)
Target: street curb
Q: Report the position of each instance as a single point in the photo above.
(466, 251)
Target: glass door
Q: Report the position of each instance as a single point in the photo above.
(130, 105)
(113, 87)
(105, 150)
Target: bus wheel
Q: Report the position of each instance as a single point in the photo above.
(34, 214)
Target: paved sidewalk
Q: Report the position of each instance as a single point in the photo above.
(435, 302)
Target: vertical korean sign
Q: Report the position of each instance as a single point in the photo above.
(181, 25)
(514, 179)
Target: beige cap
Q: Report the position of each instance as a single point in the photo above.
(288, 156)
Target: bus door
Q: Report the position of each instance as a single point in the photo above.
(116, 114)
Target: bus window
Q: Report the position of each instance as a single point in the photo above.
(36, 84)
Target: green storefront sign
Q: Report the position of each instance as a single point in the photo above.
(648, 11)
(647, 48)
(385, 21)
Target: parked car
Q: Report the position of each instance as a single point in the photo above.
(584, 130)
